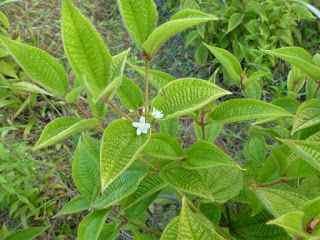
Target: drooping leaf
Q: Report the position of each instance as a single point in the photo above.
(91, 226)
(120, 147)
(109, 231)
(212, 130)
(162, 33)
(206, 155)
(157, 79)
(63, 127)
(85, 167)
(308, 115)
(163, 146)
(40, 66)
(170, 126)
(229, 62)
(185, 95)
(298, 57)
(140, 18)
(246, 109)
(26, 234)
(77, 204)
(85, 50)
(129, 94)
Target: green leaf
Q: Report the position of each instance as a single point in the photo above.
(307, 150)
(157, 79)
(234, 21)
(295, 80)
(170, 126)
(85, 50)
(185, 95)
(223, 181)
(212, 130)
(138, 235)
(63, 127)
(4, 20)
(77, 204)
(201, 54)
(109, 231)
(309, 187)
(109, 91)
(40, 66)
(162, 33)
(26, 234)
(255, 228)
(123, 186)
(311, 209)
(228, 61)
(72, 96)
(308, 115)
(171, 231)
(163, 146)
(253, 91)
(140, 18)
(246, 109)
(117, 65)
(206, 155)
(85, 167)
(129, 94)
(255, 149)
(212, 211)
(190, 13)
(288, 104)
(187, 180)
(120, 147)
(8, 70)
(299, 58)
(91, 226)
(254, 77)
(311, 89)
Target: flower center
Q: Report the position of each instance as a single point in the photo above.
(142, 125)
(154, 114)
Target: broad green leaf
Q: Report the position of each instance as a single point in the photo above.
(255, 228)
(144, 195)
(185, 95)
(246, 109)
(288, 104)
(206, 155)
(40, 66)
(309, 187)
(85, 167)
(86, 52)
(255, 149)
(201, 54)
(192, 36)
(120, 147)
(223, 181)
(170, 126)
(311, 209)
(254, 77)
(72, 96)
(140, 18)
(190, 13)
(157, 79)
(129, 94)
(212, 211)
(187, 180)
(63, 127)
(77, 204)
(291, 221)
(109, 231)
(298, 57)
(307, 150)
(162, 33)
(229, 62)
(163, 146)
(171, 231)
(253, 91)
(308, 115)
(109, 91)
(3, 231)
(123, 186)
(91, 226)
(279, 202)
(212, 130)
(26, 234)
(8, 70)
(117, 65)
(4, 20)
(98, 109)
(234, 21)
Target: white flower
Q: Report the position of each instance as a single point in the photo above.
(142, 126)
(156, 113)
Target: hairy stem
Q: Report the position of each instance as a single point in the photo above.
(118, 110)
(147, 86)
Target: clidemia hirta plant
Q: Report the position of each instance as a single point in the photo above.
(271, 196)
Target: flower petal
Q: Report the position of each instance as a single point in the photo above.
(145, 130)
(143, 120)
(135, 124)
(147, 126)
(138, 131)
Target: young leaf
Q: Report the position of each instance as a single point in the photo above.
(26, 234)
(40, 66)
(298, 57)
(308, 115)
(170, 126)
(162, 33)
(91, 226)
(229, 62)
(85, 50)
(129, 94)
(163, 146)
(157, 79)
(206, 155)
(77, 204)
(109, 91)
(246, 109)
(117, 65)
(85, 167)
(185, 95)
(120, 147)
(187, 180)
(72, 96)
(212, 130)
(140, 18)
(63, 127)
